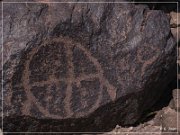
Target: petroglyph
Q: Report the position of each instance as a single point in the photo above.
(49, 72)
(148, 61)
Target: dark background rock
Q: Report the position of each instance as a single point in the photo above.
(128, 48)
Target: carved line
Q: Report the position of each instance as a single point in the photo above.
(111, 89)
(48, 82)
(146, 63)
(25, 83)
(85, 77)
(27, 87)
(103, 82)
(70, 67)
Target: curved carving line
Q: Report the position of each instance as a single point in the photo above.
(27, 87)
(110, 88)
(68, 47)
(146, 63)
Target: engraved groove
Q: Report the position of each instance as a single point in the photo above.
(68, 45)
(70, 80)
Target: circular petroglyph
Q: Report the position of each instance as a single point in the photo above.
(61, 79)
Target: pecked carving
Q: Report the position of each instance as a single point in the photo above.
(102, 65)
(49, 70)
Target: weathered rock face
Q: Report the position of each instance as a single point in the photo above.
(83, 67)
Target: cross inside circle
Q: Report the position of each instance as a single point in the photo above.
(52, 80)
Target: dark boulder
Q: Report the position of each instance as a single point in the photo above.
(83, 67)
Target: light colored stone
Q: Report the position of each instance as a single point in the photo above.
(1, 133)
(174, 31)
(169, 120)
(174, 19)
(176, 98)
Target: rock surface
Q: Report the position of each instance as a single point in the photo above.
(164, 123)
(176, 99)
(169, 122)
(174, 19)
(174, 24)
(83, 67)
(161, 121)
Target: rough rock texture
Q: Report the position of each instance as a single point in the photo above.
(174, 24)
(170, 120)
(176, 99)
(160, 120)
(164, 123)
(83, 67)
